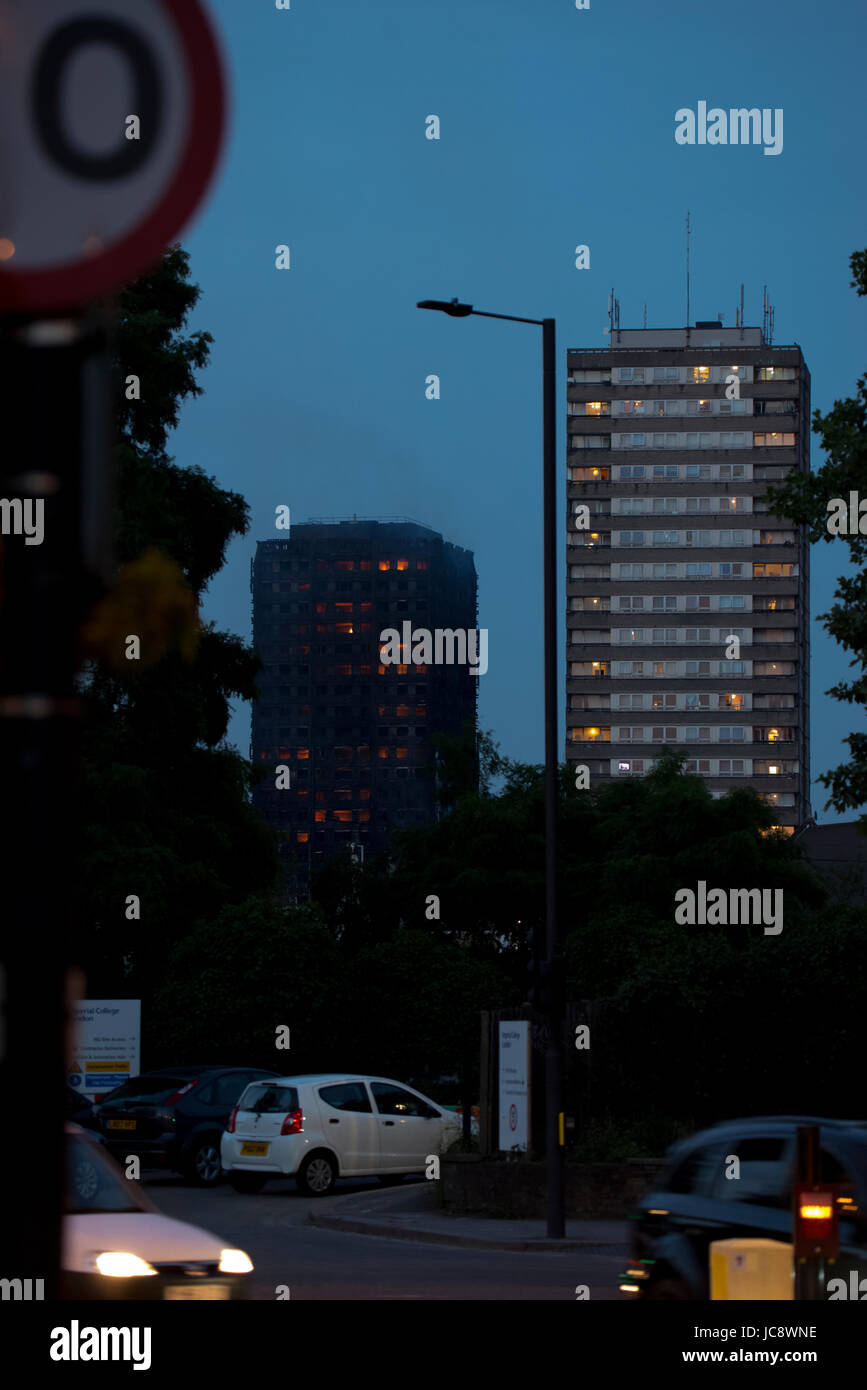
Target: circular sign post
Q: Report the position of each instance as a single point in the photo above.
(113, 118)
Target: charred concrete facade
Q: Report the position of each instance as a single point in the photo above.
(353, 733)
(673, 437)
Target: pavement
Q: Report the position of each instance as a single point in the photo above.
(411, 1212)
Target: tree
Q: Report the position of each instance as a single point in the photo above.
(167, 813)
(805, 499)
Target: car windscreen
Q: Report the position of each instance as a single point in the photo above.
(151, 1090)
(265, 1099)
(93, 1183)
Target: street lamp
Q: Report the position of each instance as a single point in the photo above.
(552, 966)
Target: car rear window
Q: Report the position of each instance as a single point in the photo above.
(153, 1089)
(269, 1100)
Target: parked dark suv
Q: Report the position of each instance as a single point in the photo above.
(694, 1203)
(174, 1118)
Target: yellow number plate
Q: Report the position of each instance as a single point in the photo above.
(191, 1290)
(257, 1150)
(121, 1124)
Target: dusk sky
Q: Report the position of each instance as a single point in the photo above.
(557, 128)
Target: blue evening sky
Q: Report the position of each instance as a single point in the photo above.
(557, 128)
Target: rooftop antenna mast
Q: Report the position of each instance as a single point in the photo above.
(687, 274)
(645, 316)
(770, 323)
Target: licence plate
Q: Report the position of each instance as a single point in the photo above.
(183, 1291)
(120, 1124)
(254, 1150)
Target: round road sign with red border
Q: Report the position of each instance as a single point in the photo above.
(83, 209)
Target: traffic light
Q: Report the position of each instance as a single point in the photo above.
(817, 1221)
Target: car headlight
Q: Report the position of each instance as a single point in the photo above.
(235, 1262)
(120, 1264)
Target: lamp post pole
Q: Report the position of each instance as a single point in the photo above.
(552, 966)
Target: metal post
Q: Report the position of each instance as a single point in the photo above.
(54, 460)
(553, 1072)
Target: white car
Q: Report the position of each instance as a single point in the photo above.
(118, 1244)
(319, 1128)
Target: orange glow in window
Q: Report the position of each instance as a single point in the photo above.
(364, 794)
(402, 752)
(421, 564)
(381, 670)
(381, 710)
(343, 607)
(343, 793)
(403, 711)
(420, 711)
(402, 670)
(342, 816)
(385, 564)
(321, 607)
(319, 815)
(382, 752)
(365, 670)
(403, 564)
(365, 564)
(346, 564)
(302, 837)
(344, 628)
(364, 815)
(421, 670)
(303, 753)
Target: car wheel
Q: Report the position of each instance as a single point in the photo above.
(390, 1179)
(317, 1175)
(668, 1289)
(204, 1164)
(247, 1182)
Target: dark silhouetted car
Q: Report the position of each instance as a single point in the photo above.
(80, 1110)
(174, 1118)
(693, 1202)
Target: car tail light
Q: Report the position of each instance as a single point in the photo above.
(293, 1123)
(175, 1097)
(230, 1127)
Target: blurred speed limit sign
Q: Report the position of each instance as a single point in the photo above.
(111, 119)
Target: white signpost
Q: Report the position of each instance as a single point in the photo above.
(108, 1045)
(514, 1085)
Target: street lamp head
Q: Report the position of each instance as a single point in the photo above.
(457, 311)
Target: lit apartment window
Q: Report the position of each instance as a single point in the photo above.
(596, 407)
(699, 373)
(302, 837)
(344, 816)
(421, 564)
(303, 754)
(319, 815)
(385, 564)
(591, 734)
(403, 564)
(381, 670)
(346, 565)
